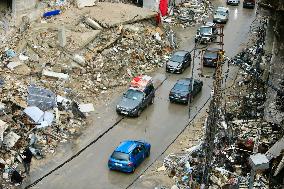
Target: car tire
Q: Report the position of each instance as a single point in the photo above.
(152, 100)
(138, 113)
(148, 153)
(133, 169)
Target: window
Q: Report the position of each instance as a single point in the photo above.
(134, 95)
(177, 58)
(120, 156)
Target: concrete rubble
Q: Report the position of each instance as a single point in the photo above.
(189, 13)
(54, 72)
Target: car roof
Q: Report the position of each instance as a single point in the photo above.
(209, 24)
(127, 146)
(181, 53)
(212, 49)
(184, 81)
(222, 8)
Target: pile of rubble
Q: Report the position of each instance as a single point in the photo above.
(51, 75)
(189, 13)
(234, 146)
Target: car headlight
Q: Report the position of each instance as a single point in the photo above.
(118, 107)
(134, 110)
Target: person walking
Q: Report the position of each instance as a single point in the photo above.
(27, 158)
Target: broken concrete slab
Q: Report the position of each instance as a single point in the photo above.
(113, 14)
(13, 65)
(10, 139)
(80, 39)
(62, 37)
(85, 108)
(93, 24)
(55, 75)
(86, 3)
(22, 69)
(79, 59)
(3, 127)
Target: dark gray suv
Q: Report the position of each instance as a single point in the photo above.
(134, 101)
(178, 62)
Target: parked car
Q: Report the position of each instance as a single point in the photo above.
(233, 2)
(140, 94)
(221, 15)
(210, 57)
(178, 62)
(249, 4)
(182, 91)
(129, 155)
(207, 33)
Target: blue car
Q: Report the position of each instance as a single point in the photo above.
(128, 155)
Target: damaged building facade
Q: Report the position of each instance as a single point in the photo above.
(17, 5)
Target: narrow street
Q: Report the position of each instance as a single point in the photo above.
(159, 124)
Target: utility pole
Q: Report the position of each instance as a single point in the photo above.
(192, 80)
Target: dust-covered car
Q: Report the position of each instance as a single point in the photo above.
(178, 62)
(211, 56)
(206, 33)
(221, 15)
(140, 94)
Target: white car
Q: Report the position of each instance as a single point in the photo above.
(221, 15)
(233, 2)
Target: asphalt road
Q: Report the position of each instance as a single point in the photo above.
(159, 124)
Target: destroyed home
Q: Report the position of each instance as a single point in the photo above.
(64, 65)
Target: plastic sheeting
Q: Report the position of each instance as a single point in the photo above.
(41, 98)
(44, 119)
(163, 7)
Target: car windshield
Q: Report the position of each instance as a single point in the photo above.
(120, 156)
(181, 87)
(220, 13)
(205, 30)
(176, 58)
(209, 54)
(134, 94)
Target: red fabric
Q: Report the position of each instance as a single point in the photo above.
(158, 18)
(163, 7)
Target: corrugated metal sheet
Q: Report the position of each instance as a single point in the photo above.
(276, 149)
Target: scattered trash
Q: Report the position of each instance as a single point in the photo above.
(10, 53)
(85, 108)
(51, 13)
(23, 57)
(55, 74)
